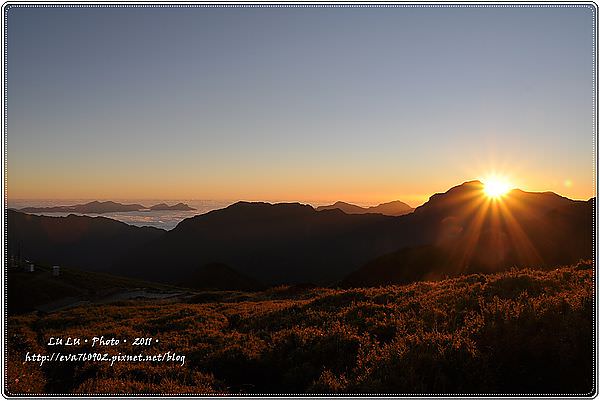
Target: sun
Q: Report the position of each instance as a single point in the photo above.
(496, 187)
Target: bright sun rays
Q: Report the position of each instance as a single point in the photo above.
(491, 227)
(495, 187)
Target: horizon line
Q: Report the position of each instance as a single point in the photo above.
(315, 203)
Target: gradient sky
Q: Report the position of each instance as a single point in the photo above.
(359, 104)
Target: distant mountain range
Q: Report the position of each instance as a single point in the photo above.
(97, 207)
(179, 206)
(459, 231)
(394, 208)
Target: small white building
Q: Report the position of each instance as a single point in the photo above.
(56, 271)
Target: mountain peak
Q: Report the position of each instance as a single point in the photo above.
(393, 208)
(466, 198)
(472, 183)
(342, 203)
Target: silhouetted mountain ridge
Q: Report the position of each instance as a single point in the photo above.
(458, 231)
(92, 243)
(393, 208)
(472, 233)
(96, 207)
(179, 207)
(285, 242)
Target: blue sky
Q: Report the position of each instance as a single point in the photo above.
(359, 104)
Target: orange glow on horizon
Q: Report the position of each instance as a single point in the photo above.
(318, 191)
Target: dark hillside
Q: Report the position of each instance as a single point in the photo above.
(93, 243)
(281, 243)
(485, 236)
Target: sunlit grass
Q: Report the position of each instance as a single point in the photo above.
(522, 331)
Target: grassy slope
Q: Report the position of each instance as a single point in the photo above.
(522, 331)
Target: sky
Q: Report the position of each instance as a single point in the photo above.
(297, 104)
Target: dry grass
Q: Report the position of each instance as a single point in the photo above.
(522, 331)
